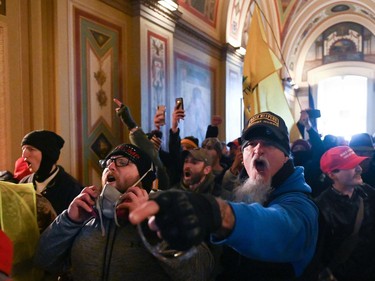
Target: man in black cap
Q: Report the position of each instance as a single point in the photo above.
(94, 237)
(272, 229)
(41, 151)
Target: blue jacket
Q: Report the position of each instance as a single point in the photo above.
(284, 231)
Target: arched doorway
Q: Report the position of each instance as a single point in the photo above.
(344, 92)
(342, 102)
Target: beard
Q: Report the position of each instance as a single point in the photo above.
(256, 188)
(194, 179)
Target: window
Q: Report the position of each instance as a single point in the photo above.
(342, 101)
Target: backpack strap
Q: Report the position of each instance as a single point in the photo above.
(348, 245)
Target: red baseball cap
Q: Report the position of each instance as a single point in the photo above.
(339, 158)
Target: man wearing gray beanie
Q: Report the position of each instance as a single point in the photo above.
(41, 151)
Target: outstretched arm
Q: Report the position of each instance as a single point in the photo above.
(211, 216)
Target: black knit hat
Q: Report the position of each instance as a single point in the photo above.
(269, 126)
(140, 159)
(50, 144)
(361, 142)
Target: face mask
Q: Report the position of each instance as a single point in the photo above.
(107, 201)
(106, 204)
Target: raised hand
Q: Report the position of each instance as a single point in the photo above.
(159, 118)
(81, 208)
(177, 115)
(124, 113)
(304, 119)
(216, 120)
(130, 200)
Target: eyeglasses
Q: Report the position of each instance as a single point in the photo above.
(119, 162)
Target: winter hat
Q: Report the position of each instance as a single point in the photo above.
(200, 154)
(329, 141)
(6, 253)
(269, 126)
(235, 143)
(190, 141)
(140, 159)
(361, 142)
(50, 144)
(339, 158)
(301, 144)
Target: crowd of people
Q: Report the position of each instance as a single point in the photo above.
(256, 208)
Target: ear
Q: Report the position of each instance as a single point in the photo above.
(286, 159)
(332, 176)
(207, 170)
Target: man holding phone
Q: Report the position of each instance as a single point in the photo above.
(179, 103)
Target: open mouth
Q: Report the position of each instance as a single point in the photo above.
(187, 174)
(110, 178)
(260, 165)
(28, 164)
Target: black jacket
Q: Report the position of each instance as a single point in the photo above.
(60, 191)
(339, 212)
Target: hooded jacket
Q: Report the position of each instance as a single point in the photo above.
(282, 233)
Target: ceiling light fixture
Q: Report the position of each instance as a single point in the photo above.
(169, 4)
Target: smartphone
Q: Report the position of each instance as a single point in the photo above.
(179, 103)
(313, 113)
(162, 108)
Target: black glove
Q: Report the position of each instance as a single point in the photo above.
(185, 219)
(126, 117)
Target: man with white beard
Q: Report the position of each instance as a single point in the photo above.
(272, 229)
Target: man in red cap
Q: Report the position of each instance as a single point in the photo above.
(348, 209)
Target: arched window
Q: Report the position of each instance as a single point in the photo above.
(342, 47)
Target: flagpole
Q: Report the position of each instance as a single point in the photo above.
(262, 87)
(274, 37)
(278, 48)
